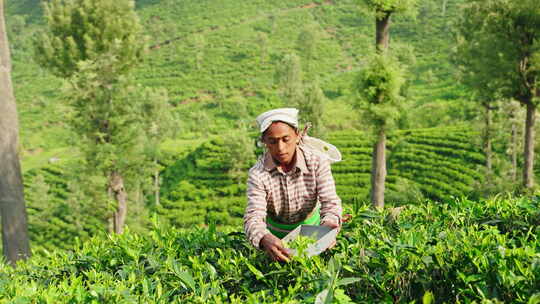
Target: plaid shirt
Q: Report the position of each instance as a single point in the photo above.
(289, 197)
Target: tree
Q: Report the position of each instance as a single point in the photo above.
(306, 44)
(240, 152)
(313, 108)
(502, 37)
(84, 30)
(290, 79)
(515, 114)
(12, 206)
(94, 45)
(307, 97)
(380, 85)
(159, 125)
(474, 60)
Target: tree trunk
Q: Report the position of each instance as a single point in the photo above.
(12, 206)
(116, 188)
(378, 171)
(514, 144)
(528, 173)
(383, 32)
(487, 142)
(378, 161)
(156, 183)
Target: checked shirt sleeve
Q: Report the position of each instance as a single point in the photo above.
(331, 208)
(255, 214)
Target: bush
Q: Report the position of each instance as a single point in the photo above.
(462, 251)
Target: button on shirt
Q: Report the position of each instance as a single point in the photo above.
(289, 197)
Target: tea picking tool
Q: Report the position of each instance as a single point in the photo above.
(324, 236)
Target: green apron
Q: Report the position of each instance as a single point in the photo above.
(281, 230)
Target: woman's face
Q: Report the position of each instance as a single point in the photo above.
(281, 140)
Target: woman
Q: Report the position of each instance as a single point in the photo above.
(287, 187)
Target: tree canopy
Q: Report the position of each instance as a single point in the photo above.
(79, 30)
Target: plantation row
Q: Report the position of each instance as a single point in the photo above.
(58, 213)
(197, 188)
(214, 55)
(460, 251)
(440, 163)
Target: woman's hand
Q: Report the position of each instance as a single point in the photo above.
(330, 225)
(274, 248)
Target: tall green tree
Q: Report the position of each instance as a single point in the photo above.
(159, 125)
(306, 45)
(94, 44)
(12, 205)
(290, 79)
(84, 30)
(502, 38)
(313, 108)
(306, 96)
(380, 85)
(474, 60)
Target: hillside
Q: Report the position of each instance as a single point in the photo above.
(449, 232)
(217, 59)
(198, 190)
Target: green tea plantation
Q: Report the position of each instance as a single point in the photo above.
(455, 252)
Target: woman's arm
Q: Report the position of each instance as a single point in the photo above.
(255, 213)
(331, 208)
(255, 221)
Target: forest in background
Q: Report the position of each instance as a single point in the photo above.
(219, 64)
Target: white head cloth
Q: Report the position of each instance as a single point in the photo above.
(290, 116)
(287, 115)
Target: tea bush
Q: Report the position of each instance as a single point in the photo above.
(461, 251)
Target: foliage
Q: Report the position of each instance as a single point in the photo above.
(379, 89)
(61, 210)
(433, 163)
(231, 72)
(307, 45)
(107, 116)
(94, 45)
(206, 185)
(391, 6)
(300, 244)
(306, 96)
(487, 251)
(83, 30)
(503, 32)
(290, 79)
(240, 154)
(312, 110)
(231, 65)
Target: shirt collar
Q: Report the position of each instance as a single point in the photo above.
(270, 164)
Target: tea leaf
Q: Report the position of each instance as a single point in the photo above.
(347, 281)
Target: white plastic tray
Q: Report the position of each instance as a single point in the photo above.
(324, 236)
